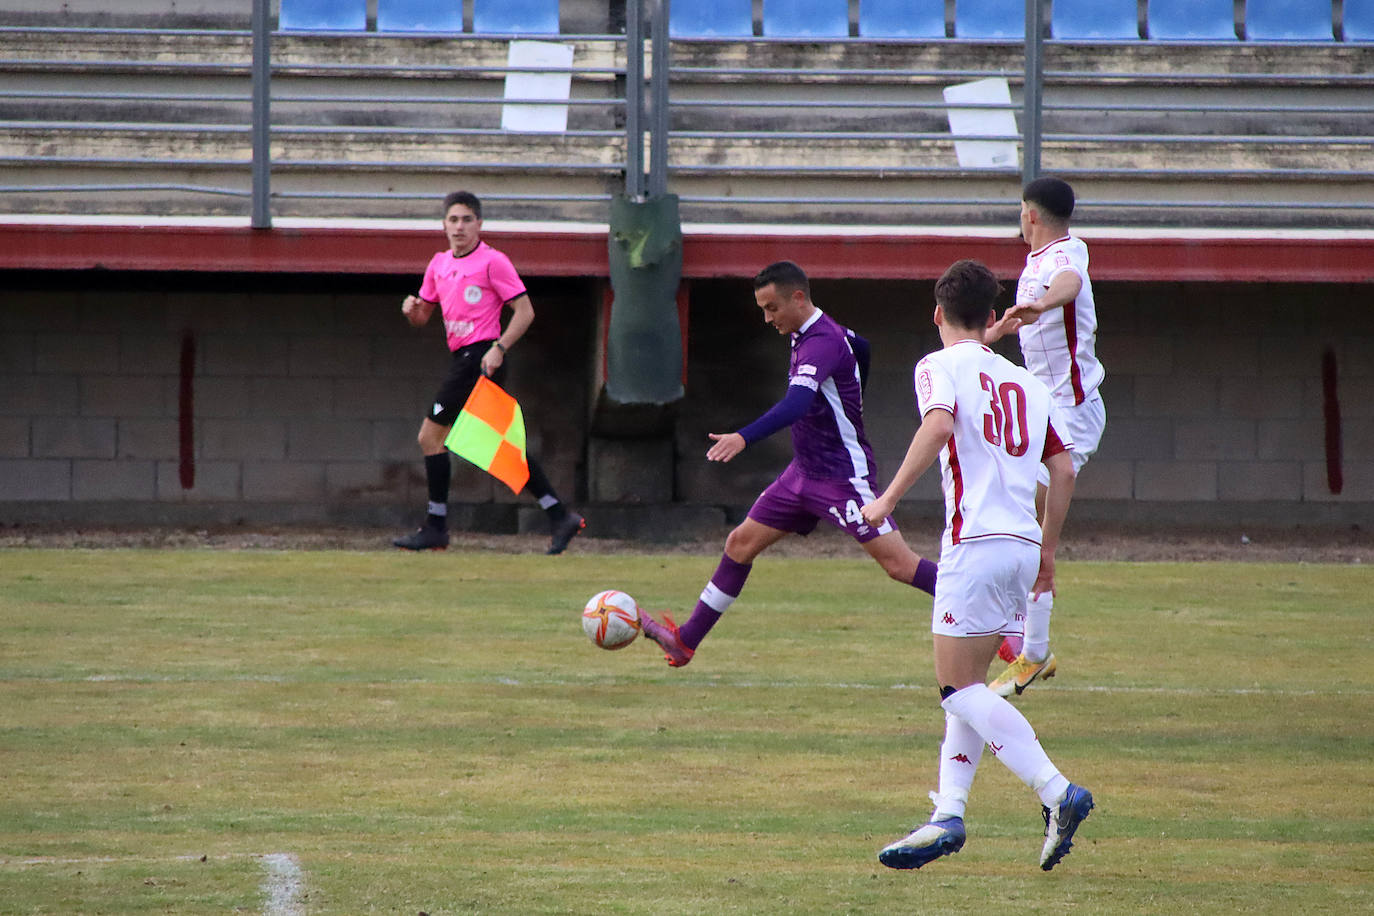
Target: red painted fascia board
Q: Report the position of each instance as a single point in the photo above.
(1326, 260)
(234, 249)
(555, 254)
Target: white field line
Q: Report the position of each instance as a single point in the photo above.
(282, 885)
(282, 880)
(726, 683)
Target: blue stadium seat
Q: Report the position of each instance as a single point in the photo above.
(1288, 20)
(902, 18)
(1190, 19)
(805, 18)
(419, 15)
(515, 17)
(990, 19)
(1359, 20)
(708, 19)
(323, 15)
(1094, 19)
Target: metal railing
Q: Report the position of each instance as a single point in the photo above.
(703, 125)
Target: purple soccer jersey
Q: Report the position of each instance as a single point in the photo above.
(828, 441)
(831, 473)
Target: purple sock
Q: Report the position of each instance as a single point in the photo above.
(722, 590)
(925, 576)
(698, 625)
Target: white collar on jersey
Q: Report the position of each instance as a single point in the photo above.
(815, 317)
(1043, 248)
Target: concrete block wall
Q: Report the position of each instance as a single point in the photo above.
(305, 394)
(308, 394)
(1215, 397)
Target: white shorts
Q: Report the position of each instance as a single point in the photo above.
(1086, 422)
(981, 587)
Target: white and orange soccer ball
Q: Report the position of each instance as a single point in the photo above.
(611, 619)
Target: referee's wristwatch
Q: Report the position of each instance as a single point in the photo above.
(500, 346)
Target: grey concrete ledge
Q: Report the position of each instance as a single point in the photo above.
(654, 523)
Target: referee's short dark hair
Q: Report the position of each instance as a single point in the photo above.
(786, 275)
(1053, 195)
(467, 199)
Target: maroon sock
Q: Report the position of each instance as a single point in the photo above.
(724, 587)
(925, 576)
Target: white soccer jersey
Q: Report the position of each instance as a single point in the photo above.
(1060, 348)
(1003, 430)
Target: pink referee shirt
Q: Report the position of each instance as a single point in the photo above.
(471, 290)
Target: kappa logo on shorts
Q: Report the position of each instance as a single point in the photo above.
(949, 620)
(962, 758)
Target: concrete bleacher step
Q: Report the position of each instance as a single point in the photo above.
(855, 156)
(209, 52)
(830, 146)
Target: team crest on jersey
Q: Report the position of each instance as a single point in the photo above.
(472, 294)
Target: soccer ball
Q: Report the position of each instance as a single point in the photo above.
(611, 619)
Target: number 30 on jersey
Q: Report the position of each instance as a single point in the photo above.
(1006, 424)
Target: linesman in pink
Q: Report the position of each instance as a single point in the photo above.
(471, 284)
(1055, 320)
(993, 425)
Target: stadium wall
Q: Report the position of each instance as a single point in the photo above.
(1227, 402)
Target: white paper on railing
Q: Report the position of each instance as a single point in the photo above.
(982, 122)
(537, 118)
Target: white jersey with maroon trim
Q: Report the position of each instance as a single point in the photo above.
(1060, 348)
(1003, 430)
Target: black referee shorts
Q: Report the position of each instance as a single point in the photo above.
(463, 372)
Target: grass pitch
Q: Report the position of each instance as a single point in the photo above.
(210, 732)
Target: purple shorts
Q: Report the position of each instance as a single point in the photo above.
(795, 503)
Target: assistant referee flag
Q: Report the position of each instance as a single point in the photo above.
(490, 432)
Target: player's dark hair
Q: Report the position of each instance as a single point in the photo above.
(786, 275)
(467, 199)
(1052, 195)
(966, 292)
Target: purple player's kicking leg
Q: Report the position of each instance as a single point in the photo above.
(679, 644)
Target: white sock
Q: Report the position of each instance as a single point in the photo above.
(1010, 738)
(1036, 647)
(959, 756)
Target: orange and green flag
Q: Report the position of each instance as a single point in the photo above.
(490, 432)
